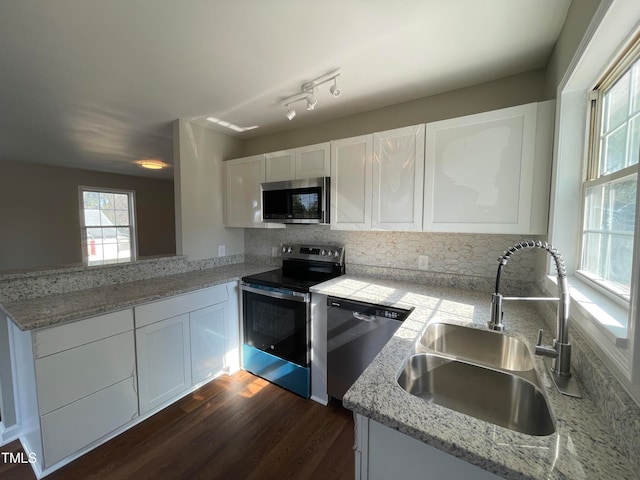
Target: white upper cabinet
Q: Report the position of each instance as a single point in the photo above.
(351, 183)
(398, 173)
(489, 173)
(376, 181)
(313, 161)
(295, 164)
(243, 196)
(280, 166)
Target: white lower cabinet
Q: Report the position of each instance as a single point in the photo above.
(74, 426)
(208, 342)
(194, 345)
(382, 453)
(164, 361)
(77, 384)
(84, 382)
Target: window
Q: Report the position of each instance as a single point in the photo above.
(599, 235)
(609, 191)
(107, 221)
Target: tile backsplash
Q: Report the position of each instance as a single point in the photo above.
(454, 259)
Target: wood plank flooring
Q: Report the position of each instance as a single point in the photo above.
(236, 427)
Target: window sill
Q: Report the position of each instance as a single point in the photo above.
(609, 317)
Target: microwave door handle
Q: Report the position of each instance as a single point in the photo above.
(294, 296)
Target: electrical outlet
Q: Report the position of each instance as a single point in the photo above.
(423, 262)
(221, 250)
(274, 251)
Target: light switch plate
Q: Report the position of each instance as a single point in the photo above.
(423, 262)
(221, 250)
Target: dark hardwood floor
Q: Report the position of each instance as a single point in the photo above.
(236, 427)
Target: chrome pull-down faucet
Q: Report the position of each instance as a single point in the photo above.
(560, 351)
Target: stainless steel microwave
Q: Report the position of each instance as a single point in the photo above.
(296, 201)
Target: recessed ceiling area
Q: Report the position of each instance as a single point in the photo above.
(97, 85)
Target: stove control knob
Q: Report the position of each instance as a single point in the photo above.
(284, 249)
(323, 253)
(336, 253)
(289, 250)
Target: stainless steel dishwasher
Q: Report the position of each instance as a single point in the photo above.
(356, 332)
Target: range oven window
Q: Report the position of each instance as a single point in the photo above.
(276, 326)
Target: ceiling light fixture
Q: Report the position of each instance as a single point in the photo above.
(151, 164)
(309, 92)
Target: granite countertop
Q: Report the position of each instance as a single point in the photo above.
(61, 308)
(582, 446)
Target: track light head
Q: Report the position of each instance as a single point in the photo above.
(311, 102)
(335, 91)
(290, 113)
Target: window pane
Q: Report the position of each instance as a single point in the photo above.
(92, 217)
(614, 151)
(617, 104)
(122, 217)
(121, 201)
(91, 199)
(608, 231)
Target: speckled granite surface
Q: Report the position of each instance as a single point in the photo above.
(583, 446)
(23, 285)
(65, 307)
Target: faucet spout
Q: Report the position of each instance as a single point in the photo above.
(560, 351)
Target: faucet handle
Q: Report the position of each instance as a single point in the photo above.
(544, 350)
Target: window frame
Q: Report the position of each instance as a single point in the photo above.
(614, 26)
(622, 64)
(133, 237)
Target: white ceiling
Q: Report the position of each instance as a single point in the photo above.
(97, 84)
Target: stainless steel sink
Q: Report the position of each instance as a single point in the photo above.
(477, 346)
(491, 395)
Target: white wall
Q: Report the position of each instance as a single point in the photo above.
(199, 191)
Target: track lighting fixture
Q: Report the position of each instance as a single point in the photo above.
(309, 92)
(290, 113)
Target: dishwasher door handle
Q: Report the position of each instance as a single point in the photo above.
(364, 317)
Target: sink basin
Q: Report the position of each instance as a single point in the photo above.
(477, 346)
(494, 396)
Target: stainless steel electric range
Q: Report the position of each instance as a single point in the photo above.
(277, 314)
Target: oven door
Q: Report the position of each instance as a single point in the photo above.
(276, 322)
(276, 342)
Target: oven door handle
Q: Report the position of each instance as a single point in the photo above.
(294, 296)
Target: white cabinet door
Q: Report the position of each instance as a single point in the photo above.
(313, 161)
(207, 342)
(74, 426)
(243, 195)
(72, 374)
(489, 173)
(305, 162)
(164, 361)
(280, 166)
(398, 173)
(351, 183)
(387, 453)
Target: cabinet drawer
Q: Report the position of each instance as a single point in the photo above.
(73, 374)
(180, 304)
(56, 339)
(81, 423)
